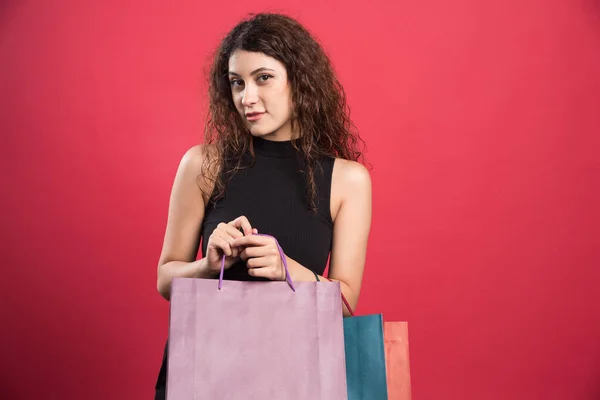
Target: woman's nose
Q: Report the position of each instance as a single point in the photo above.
(250, 96)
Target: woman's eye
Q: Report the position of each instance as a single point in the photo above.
(264, 78)
(235, 82)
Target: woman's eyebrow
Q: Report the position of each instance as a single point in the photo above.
(256, 71)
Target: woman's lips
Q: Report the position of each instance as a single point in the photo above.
(252, 117)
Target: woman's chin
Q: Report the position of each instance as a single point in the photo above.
(266, 132)
(254, 131)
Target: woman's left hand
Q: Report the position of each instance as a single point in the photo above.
(262, 257)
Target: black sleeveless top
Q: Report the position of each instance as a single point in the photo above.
(271, 193)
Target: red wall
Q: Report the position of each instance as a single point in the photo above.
(483, 125)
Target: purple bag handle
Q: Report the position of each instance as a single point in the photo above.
(281, 254)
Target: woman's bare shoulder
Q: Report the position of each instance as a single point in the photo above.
(194, 158)
(199, 165)
(349, 178)
(349, 173)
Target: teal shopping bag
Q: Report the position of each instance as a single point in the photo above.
(365, 357)
(364, 348)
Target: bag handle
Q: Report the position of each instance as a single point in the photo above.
(281, 254)
(343, 297)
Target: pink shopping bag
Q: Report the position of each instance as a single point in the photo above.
(255, 340)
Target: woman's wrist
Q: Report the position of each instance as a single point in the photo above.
(299, 273)
(203, 270)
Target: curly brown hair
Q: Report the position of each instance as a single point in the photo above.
(319, 101)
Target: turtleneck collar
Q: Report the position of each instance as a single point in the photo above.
(271, 148)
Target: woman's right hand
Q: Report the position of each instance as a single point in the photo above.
(219, 243)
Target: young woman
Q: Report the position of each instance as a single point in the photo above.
(280, 158)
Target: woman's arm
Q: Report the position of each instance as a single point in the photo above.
(351, 214)
(351, 183)
(182, 235)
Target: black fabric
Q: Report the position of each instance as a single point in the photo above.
(271, 193)
(160, 394)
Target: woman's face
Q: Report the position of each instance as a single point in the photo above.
(261, 94)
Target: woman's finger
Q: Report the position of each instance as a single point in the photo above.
(269, 273)
(257, 262)
(268, 260)
(255, 251)
(252, 241)
(242, 222)
(229, 230)
(260, 272)
(218, 242)
(230, 233)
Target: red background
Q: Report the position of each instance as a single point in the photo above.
(482, 121)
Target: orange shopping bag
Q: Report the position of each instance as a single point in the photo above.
(397, 360)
